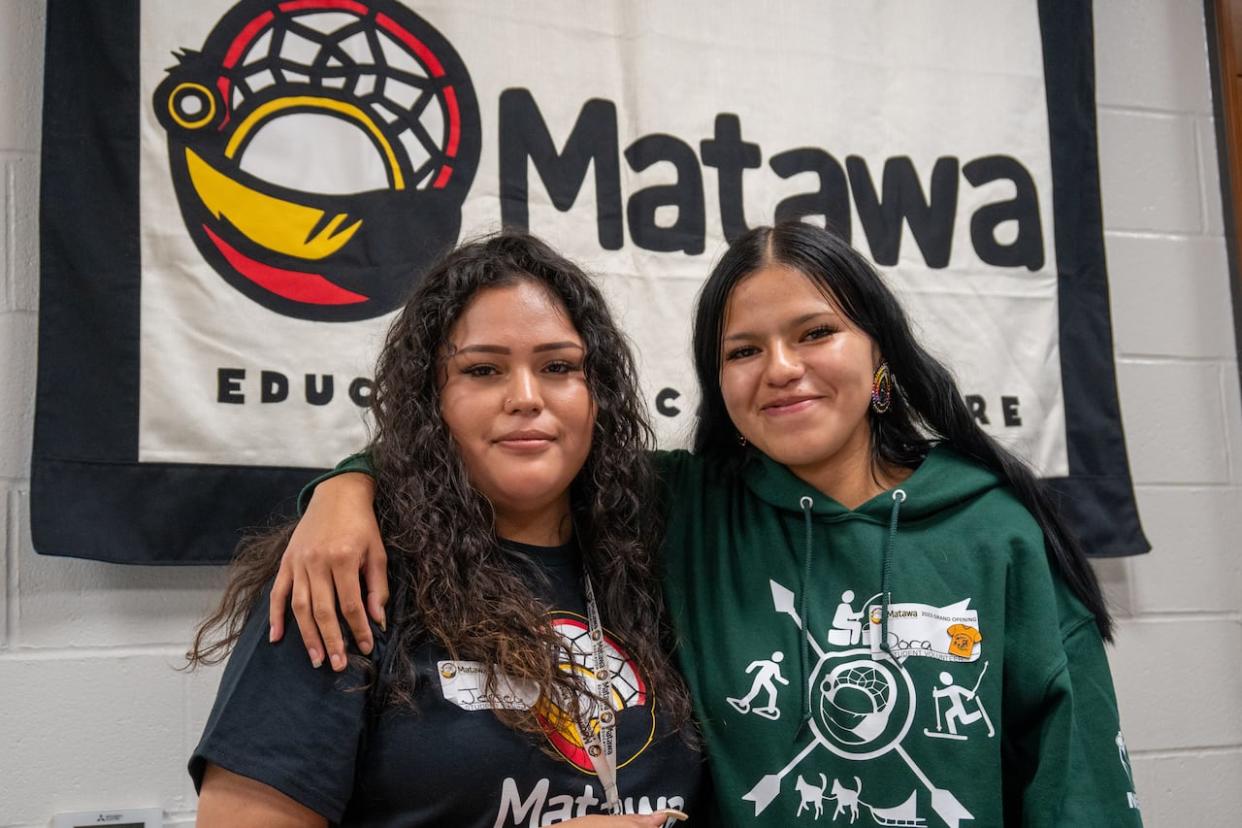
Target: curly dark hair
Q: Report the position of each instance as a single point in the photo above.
(452, 581)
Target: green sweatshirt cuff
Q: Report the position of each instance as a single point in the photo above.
(360, 462)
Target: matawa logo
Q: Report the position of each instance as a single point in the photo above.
(321, 151)
(628, 700)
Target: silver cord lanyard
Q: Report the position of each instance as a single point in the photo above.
(601, 745)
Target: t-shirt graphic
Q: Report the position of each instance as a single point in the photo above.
(463, 683)
(314, 736)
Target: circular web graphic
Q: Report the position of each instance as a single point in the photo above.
(862, 707)
(628, 699)
(320, 151)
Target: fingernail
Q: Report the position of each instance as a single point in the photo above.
(383, 622)
(365, 645)
(338, 661)
(271, 636)
(316, 659)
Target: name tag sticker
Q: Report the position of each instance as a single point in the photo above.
(944, 633)
(463, 683)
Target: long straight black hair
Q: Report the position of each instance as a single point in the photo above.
(926, 408)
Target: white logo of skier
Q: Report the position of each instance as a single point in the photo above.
(957, 711)
(863, 706)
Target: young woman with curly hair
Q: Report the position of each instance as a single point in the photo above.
(522, 672)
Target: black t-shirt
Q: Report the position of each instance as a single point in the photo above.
(449, 761)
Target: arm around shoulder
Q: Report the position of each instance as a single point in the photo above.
(335, 550)
(359, 463)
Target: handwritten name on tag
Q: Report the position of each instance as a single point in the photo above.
(463, 683)
(944, 633)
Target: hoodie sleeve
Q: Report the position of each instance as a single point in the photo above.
(1078, 770)
(360, 462)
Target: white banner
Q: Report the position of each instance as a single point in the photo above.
(921, 129)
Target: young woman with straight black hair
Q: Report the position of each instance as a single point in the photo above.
(879, 608)
(926, 407)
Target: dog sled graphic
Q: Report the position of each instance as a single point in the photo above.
(905, 815)
(848, 800)
(863, 706)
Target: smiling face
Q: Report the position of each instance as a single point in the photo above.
(796, 374)
(516, 401)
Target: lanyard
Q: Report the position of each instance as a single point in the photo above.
(601, 743)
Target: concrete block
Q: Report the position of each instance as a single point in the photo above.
(1178, 683)
(1209, 176)
(1174, 421)
(1149, 172)
(1152, 54)
(6, 275)
(1170, 296)
(1233, 419)
(23, 231)
(84, 733)
(1193, 566)
(1114, 576)
(8, 544)
(65, 602)
(201, 685)
(1190, 788)
(17, 388)
(21, 82)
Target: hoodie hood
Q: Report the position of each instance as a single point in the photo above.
(943, 481)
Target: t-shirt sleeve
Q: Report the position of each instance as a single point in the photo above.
(281, 722)
(360, 462)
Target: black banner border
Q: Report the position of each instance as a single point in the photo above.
(1098, 496)
(91, 498)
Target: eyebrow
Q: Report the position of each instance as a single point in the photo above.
(801, 320)
(501, 349)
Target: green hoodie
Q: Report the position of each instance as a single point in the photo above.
(992, 703)
(985, 700)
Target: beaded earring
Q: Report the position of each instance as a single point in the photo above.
(881, 389)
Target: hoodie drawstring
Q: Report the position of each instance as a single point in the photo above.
(899, 497)
(806, 503)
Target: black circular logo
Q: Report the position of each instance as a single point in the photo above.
(321, 151)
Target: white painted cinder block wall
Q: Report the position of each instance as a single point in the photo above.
(93, 715)
(1178, 660)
